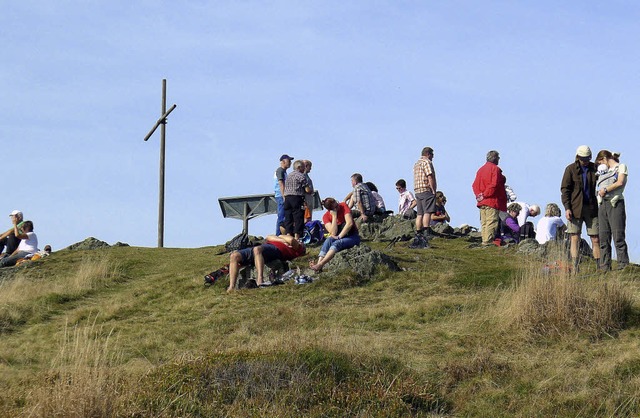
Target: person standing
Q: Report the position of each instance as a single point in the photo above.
(424, 186)
(612, 217)
(295, 188)
(578, 192)
(491, 197)
(279, 178)
(309, 197)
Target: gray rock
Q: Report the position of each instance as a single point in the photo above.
(530, 246)
(391, 228)
(361, 260)
(90, 243)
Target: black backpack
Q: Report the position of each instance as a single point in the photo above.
(238, 242)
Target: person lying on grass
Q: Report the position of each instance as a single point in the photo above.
(343, 233)
(283, 247)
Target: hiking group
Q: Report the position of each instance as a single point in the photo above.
(590, 195)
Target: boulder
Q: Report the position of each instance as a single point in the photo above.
(392, 228)
(362, 260)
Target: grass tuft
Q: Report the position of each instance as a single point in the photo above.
(81, 381)
(557, 302)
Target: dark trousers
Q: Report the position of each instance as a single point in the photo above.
(11, 242)
(612, 224)
(294, 215)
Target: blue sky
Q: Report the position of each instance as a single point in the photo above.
(353, 86)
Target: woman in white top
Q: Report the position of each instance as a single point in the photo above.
(28, 244)
(550, 224)
(612, 217)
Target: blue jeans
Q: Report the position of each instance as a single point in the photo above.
(13, 259)
(339, 244)
(280, 221)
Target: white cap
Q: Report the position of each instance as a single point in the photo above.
(15, 213)
(583, 151)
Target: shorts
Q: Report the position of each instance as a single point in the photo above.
(574, 226)
(269, 251)
(426, 203)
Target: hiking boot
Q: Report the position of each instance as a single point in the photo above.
(621, 266)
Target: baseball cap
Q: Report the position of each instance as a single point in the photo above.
(583, 151)
(15, 212)
(286, 157)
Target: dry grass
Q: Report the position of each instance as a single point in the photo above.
(82, 381)
(24, 298)
(551, 300)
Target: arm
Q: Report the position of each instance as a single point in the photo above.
(347, 199)
(7, 233)
(441, 218)
(431, 179)
(513, 225)
(287, 239)
(348, 219)
(332, 227)
(566, 188)
(16, 232)
(361, 209)
(622, 180)
(281, 184)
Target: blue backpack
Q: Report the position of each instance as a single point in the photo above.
(313, 232)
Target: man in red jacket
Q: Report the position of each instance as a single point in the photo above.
(491, 196)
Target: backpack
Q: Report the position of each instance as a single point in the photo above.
(313, 232)
(527, 231)
(239, 242)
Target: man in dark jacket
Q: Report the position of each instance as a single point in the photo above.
(491, 196)
(578, 191)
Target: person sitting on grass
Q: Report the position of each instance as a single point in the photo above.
(282, 247)
(509, 228)
(28, 244)
(343, 233)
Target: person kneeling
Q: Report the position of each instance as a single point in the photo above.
(343, 233)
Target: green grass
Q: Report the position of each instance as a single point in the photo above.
(133, 331)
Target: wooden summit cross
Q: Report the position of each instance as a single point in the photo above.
(162, 122)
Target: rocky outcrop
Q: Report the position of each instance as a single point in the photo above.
(92, 243)
(362, 260)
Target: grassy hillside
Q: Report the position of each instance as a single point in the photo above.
(130, 331)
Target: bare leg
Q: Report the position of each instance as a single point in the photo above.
(322, 261)
(259, 263)
(574, 240)
(234, 266)
(426, 220)
(419, 222)
(595, 242)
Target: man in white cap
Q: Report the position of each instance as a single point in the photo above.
(8, 239)
(578, 192)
